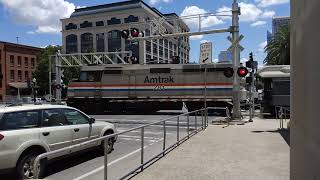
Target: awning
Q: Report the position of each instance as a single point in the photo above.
(20, 85)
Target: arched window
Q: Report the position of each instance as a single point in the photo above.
(130, 19)
(100, 42)
(86, 43)
(86, 24)
(71, 26)
(71, 44)
(114, 41)
(147, 32)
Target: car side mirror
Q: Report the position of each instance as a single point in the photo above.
(92, 120)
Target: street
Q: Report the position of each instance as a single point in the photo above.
(126, 154)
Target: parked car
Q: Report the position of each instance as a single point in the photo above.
(29, 130)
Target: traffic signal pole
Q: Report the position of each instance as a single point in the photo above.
(236, 61)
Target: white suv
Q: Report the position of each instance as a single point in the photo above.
(27, 131)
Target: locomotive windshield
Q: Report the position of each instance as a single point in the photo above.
(90, 76)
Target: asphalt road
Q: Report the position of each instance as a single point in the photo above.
(127, 150)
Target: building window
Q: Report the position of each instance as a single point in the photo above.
(132, 46)
(99, 23)
(26, 75)
(114, 41)
(131, 18)
(86, 24)
(26, 62)
(114, 21)
(86, 43)
(11, 60)
(19, 60)
(19, 75)
(100, 42)
(71, 26)
(71, 44)
(32, 62)
(12, 75)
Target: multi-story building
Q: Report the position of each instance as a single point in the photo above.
(278, 22)
(98, 29)
(225, 57)
(17, 62)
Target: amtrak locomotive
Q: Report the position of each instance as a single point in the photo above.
(149, 88)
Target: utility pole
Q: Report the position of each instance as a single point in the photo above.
(236, 60)
(17, 39)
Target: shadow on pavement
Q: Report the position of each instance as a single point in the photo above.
(71, 161)
(284, 133)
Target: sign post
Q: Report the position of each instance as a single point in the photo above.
(206, 53)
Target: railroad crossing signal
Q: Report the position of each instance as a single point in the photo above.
(242, 71)
(133, 32)
(235, 43)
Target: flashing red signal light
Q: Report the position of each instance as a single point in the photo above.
(228, 72)
(242, 71)
(135, 32)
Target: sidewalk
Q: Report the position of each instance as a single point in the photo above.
(248, 152)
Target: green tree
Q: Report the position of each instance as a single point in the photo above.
(278, 50)
(42, 71)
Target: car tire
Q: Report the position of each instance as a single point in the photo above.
(110, 144)
(24, 168)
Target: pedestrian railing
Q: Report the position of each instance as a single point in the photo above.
(203, 113)
(283, 114)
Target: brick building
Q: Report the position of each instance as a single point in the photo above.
(17, 62)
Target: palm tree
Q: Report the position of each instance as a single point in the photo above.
(278, 50)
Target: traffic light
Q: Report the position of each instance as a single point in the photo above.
(242, 71)
(228, 72)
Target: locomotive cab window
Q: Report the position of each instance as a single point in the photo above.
(90, 76)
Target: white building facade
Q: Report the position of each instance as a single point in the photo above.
(98, 29)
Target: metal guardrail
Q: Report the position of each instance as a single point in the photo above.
(282, 113)
(204, 124)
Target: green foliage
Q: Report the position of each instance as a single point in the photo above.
(42, 71)
(278, 50)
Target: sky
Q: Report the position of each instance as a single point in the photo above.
(36, 22)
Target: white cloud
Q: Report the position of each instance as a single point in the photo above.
(44, 14)
(243, 60)
(196, 37)
(249, 12)
(265, 3)
(153, 2)
(268, 14)
(194, 22)
(204, 41)
(225, 12)
(258, 23)
(262, 46)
